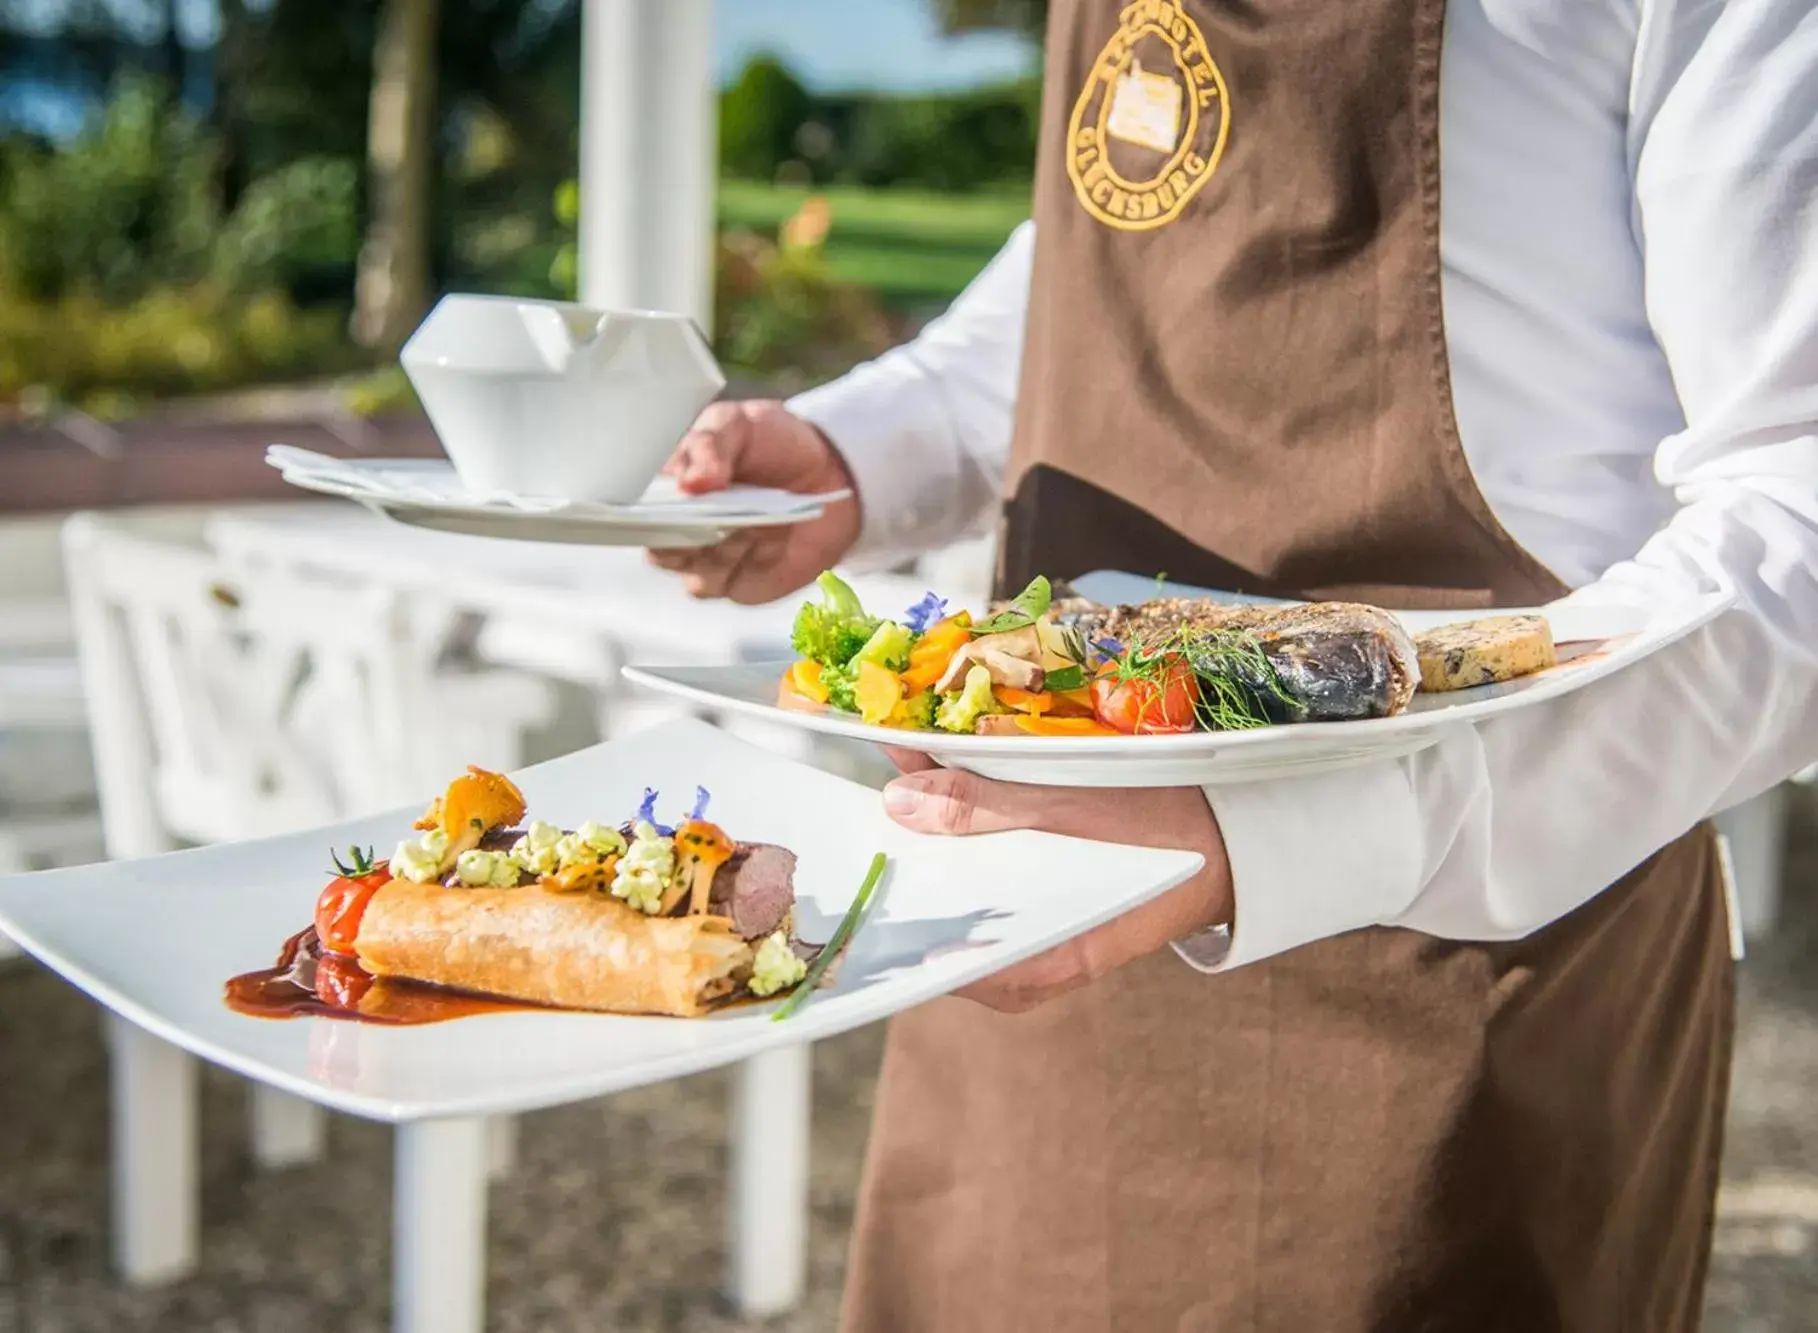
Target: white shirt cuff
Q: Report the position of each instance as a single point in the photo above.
(1312, 857)
(883, 429)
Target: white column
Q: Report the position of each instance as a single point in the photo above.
(649, 155)
(438, 1258)
(152, 1114)
(767, 1238)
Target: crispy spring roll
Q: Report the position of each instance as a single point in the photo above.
(573, 951)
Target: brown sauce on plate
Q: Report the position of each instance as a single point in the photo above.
(307, 982)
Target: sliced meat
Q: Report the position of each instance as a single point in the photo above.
(998, 724)
(500, 839)
(756, 889)
(1012, 671)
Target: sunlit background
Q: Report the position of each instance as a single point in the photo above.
(218, 221)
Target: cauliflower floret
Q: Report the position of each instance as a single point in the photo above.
(961, 712)
(480, 870)
(776, 967)
(420, 859)
(646, 870)
(538, 851)
(589, 845)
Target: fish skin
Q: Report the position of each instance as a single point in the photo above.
(1336, 661)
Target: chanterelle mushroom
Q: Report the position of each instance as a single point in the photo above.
(476, 803)
(1013, 658)
(701, 849)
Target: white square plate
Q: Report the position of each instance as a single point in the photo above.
(1595, 641)
(155, 940)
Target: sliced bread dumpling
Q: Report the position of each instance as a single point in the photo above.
(1484, 652)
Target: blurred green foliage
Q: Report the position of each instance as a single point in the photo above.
(296, 229)
(379, 393)
(127, 207)
(760, 116)
(914, 249)
(122, 276)
(108, 357)
(168, 251)
(780, 314)
(1028, 16)
(772, 129)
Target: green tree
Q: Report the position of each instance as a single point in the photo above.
(760, 116)
(292, 80)
(392, 289)
(1027, 16)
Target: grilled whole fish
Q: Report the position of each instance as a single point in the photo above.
(1334, 661)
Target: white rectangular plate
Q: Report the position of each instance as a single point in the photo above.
(1625, 635)
(155, 940)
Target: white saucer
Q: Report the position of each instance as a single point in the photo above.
(426, 493)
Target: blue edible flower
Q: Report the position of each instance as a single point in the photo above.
(925, 612)
(1108, 647)
(701, 797)
(647, 813)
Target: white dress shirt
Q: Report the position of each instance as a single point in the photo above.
(1630, 242)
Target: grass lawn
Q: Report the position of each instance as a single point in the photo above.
(913, 248)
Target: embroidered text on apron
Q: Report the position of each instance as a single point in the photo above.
(1235, 374)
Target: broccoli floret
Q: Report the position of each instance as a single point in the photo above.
(888, 646)
(841, 681)
(834, 629)
(961, 712)
(918, 710)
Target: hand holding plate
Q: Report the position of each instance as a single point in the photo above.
(951, 802)
(761, 443)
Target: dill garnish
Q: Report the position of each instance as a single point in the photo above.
(1238, 687)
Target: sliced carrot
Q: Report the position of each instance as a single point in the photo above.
(1024, 701)
(1072, 703)
(1064, 726)
(933, 652)
(924, 676)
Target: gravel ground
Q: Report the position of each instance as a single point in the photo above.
(614, 1222)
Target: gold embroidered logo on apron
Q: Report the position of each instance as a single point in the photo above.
(1150, 124)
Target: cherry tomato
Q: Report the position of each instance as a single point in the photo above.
(341, 982)
(343, 903)
(1160, 702)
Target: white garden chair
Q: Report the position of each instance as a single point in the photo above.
(45, 790)
(224, 708)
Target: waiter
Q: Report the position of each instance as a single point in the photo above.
(1427, 305)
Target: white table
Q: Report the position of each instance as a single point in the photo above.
(577, 613)
(35, 625)
(572, 612)
(609, 591)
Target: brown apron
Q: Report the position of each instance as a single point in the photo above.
(1235, 374)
